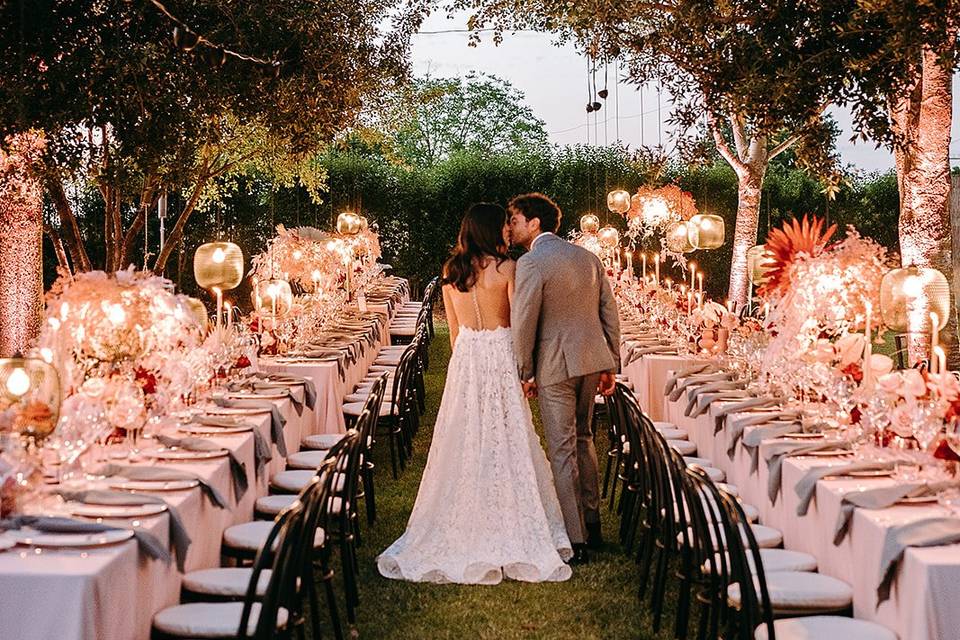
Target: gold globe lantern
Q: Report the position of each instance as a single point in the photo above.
(29, 397)
(758, 264)
(677, 236)
(272, 298)
(909, 295)
(618, 201)
(218, 264)
(609, 237)
(348, 223)
(705, 231)
(364, 225)
(589, 223)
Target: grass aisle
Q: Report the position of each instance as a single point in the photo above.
(598, 602)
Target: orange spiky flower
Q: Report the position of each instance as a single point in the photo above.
(784, 245)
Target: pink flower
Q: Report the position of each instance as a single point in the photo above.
(850, 348)
(880, 364)
(914, 386)
(890, 382)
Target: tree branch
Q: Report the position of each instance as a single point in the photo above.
(783, 146)
(722, 145)
(58, 247)
(68, 222)
(739, 135)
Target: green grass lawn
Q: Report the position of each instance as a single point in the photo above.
(598, 602)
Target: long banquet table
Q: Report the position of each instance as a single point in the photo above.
(113, 592)
(922, 604)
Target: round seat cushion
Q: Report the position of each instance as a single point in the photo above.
(660, 425)
(772, 560)
(321, 440)
(356, 408)
(703, 462)
(272, 505)
(307, 460)
(228, 582)
(683, 447)
(800, 591)
(752, 513)
(250, 536)
(210, 619)
(821, 627)
(767, 537)
(674, 434)
(291, 481)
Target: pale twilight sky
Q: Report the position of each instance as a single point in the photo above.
(554, 81)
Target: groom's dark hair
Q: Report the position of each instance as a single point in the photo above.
(537, 205)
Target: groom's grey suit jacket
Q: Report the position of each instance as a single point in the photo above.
(564, 316)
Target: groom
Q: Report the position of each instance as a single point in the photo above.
(566, 335)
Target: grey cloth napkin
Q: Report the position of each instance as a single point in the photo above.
(639, 352)
(238, 470)
(751, 441)
(276, 419)
(928, 532)
(686, 372)
(161, 474)
(806, 488)
(265, 388)
(735, 427)
(146, 541)
(309, 388)
(736, 407)
(880, 498)
(700, 398)
(179, 537)
(262, 452)
(777, 451)
(696, 379)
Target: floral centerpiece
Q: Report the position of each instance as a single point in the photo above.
(106, 332)
(653, 208)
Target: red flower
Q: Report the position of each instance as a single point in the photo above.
(242, 362)
(146, 380)
(945, 452)
(853, 371)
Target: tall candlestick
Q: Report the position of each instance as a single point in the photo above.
(730, 306)
(934, 334)
(766, 311)
(219, 293)
(700, 300)
(689, 301)
(629, 256)
(700, 281)
(228, 308)
(941, 358)
(656, 266)
(867, 347)
(693, 271)
(643, 258)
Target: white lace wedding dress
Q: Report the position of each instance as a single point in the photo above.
(487, 508)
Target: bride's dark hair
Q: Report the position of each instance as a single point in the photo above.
(481, 235)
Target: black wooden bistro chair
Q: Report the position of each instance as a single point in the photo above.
(264, 613)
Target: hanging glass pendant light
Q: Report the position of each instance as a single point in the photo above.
(218, 264)
(677, 237)
(348, 223)
(909, 295)
(705, 231)
(589, 223)
(618, 201)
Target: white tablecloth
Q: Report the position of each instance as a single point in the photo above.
(923, 602)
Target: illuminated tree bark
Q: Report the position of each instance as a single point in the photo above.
(922, 120)
(21, 247)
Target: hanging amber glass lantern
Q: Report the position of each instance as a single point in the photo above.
(218, 264)
(348, 223)
(705, 231)
(609, 237)
(677, 236)
(757, 264)
(589, 223)
(909, 295)
(618, 201)
(29, 397)
(272, 298)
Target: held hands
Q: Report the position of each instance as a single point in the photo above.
(608, 382)
(529, 389)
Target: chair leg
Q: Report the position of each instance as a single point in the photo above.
(369, 498)
(659, 586)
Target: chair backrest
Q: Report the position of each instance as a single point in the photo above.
(344, 477)
(279, 553)
(372, 407)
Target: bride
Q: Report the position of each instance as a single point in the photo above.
(487, 508)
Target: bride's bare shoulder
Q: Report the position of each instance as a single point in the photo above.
(507, 268)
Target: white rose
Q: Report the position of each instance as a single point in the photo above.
(850, 348)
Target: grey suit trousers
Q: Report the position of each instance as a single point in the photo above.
(567, 412)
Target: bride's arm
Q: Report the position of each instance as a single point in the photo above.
(452, 322)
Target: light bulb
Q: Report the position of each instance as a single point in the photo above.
(913, 287)
(297, 254)
(116, 315)
(18, 382)
(316, 274)
(219, 255)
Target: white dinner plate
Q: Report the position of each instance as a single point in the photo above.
(918, 500)
(799, 435)
(829, 453)
(208, 430)
(184, 454)
(871, 473)
(116, 511)
(235, 411)
(161, 485)
(258, 396)
(62, 540)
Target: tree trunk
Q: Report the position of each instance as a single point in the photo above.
(923, 173)
(21, 262)
(749, 188)
(953, 357)
(176, 234)
(68, 223)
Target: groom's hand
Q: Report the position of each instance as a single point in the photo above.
(529, 389)
(608, 382)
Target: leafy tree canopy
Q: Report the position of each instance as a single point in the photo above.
(428, 119)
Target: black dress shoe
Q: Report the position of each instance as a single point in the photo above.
(594, 536)
(579, 555)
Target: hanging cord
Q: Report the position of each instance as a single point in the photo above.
(642, 123)
(659, 120)
(616, 100)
